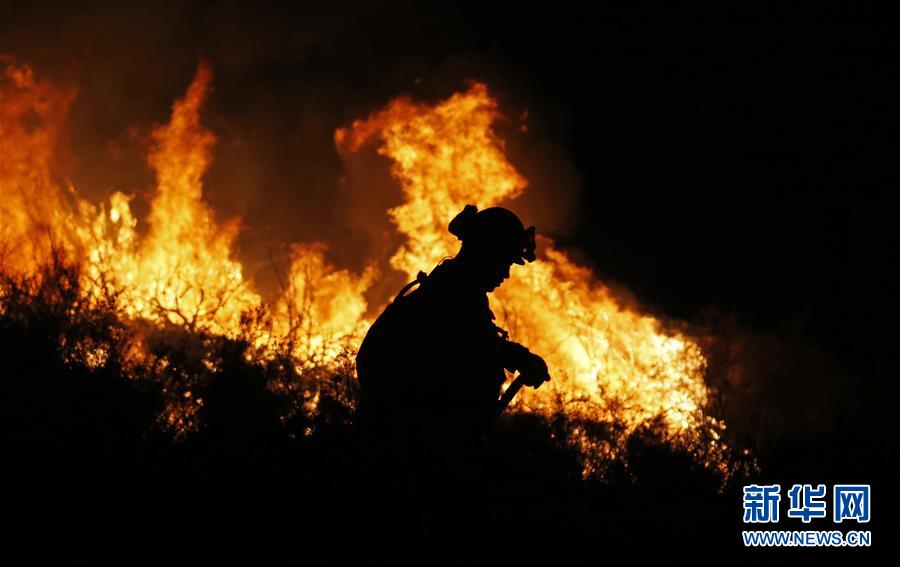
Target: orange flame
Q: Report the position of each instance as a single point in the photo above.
(612, 364)
(35, 215)
(182, 272)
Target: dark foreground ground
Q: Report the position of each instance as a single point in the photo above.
(88, 471)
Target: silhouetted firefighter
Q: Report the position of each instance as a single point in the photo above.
(432, 367)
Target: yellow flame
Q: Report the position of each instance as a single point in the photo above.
(35, 215)
(183, 271)
(610, 363)
(322, 308)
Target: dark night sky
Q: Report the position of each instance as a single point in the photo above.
(738, 159)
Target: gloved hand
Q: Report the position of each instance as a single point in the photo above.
(530, 366)
(534, 370)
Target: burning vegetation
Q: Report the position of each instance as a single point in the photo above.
(167, 303)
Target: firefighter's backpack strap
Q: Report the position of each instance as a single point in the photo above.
(421, 277)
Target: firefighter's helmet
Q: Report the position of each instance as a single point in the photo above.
(496, 229)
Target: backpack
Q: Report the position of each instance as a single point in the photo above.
(386, 342)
